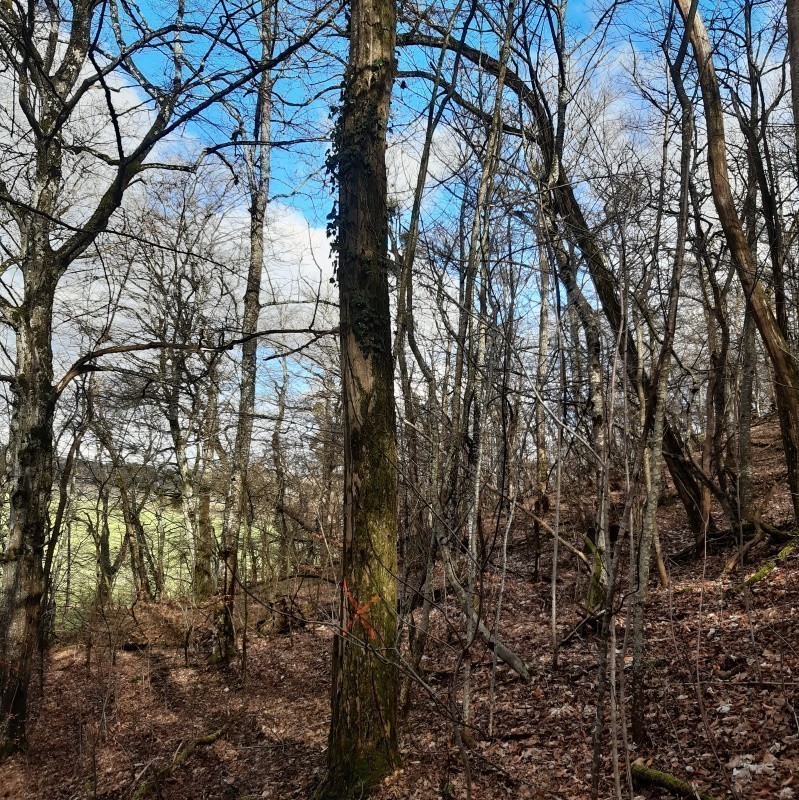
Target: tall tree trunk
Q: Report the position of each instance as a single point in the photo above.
(29, 485)
(101, 533)
(258, 157)
(748, 368)
(793, 62)
(654, 424)
(135, 537)
(204, 575)
(363, 746)
(748, 350)
(579, 305)
(61, 520)
(189, 499)
(29, 467)
(478, 264)
(541, 458)
(203, 579)
(279, 461)
(137, 546)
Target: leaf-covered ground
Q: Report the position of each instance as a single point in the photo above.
(723, 672)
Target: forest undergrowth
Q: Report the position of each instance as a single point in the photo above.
(130, 710)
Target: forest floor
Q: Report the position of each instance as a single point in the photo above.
(723, 672)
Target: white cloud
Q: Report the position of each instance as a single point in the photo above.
(404, 155)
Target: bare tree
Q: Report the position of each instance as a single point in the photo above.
(774, 336)
(63, 56)
(258, 171)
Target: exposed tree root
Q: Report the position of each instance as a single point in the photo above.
(719, 541)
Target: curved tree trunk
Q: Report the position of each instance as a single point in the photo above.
(786, 372)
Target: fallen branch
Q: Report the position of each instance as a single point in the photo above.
(646, 776)
(160, 774)
(187, 752)
(503, 653)
(589, 620)
(492, 641)
(561, 541)
(741, 554)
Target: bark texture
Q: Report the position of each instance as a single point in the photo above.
(363, 734)
(793, 62)
(29, 483)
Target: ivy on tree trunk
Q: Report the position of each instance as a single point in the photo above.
(363, 734)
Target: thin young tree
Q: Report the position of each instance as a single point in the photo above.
(258, 170)
(792, 8)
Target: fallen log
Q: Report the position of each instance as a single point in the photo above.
(646, 776)
(769, 566)
(492, 640)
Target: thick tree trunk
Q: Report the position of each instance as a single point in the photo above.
(29, 486)
(203, 579)
(793, 61)
(363, 745)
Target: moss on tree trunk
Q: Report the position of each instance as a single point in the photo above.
(646, 776)
(29, 486)
(363, 734)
